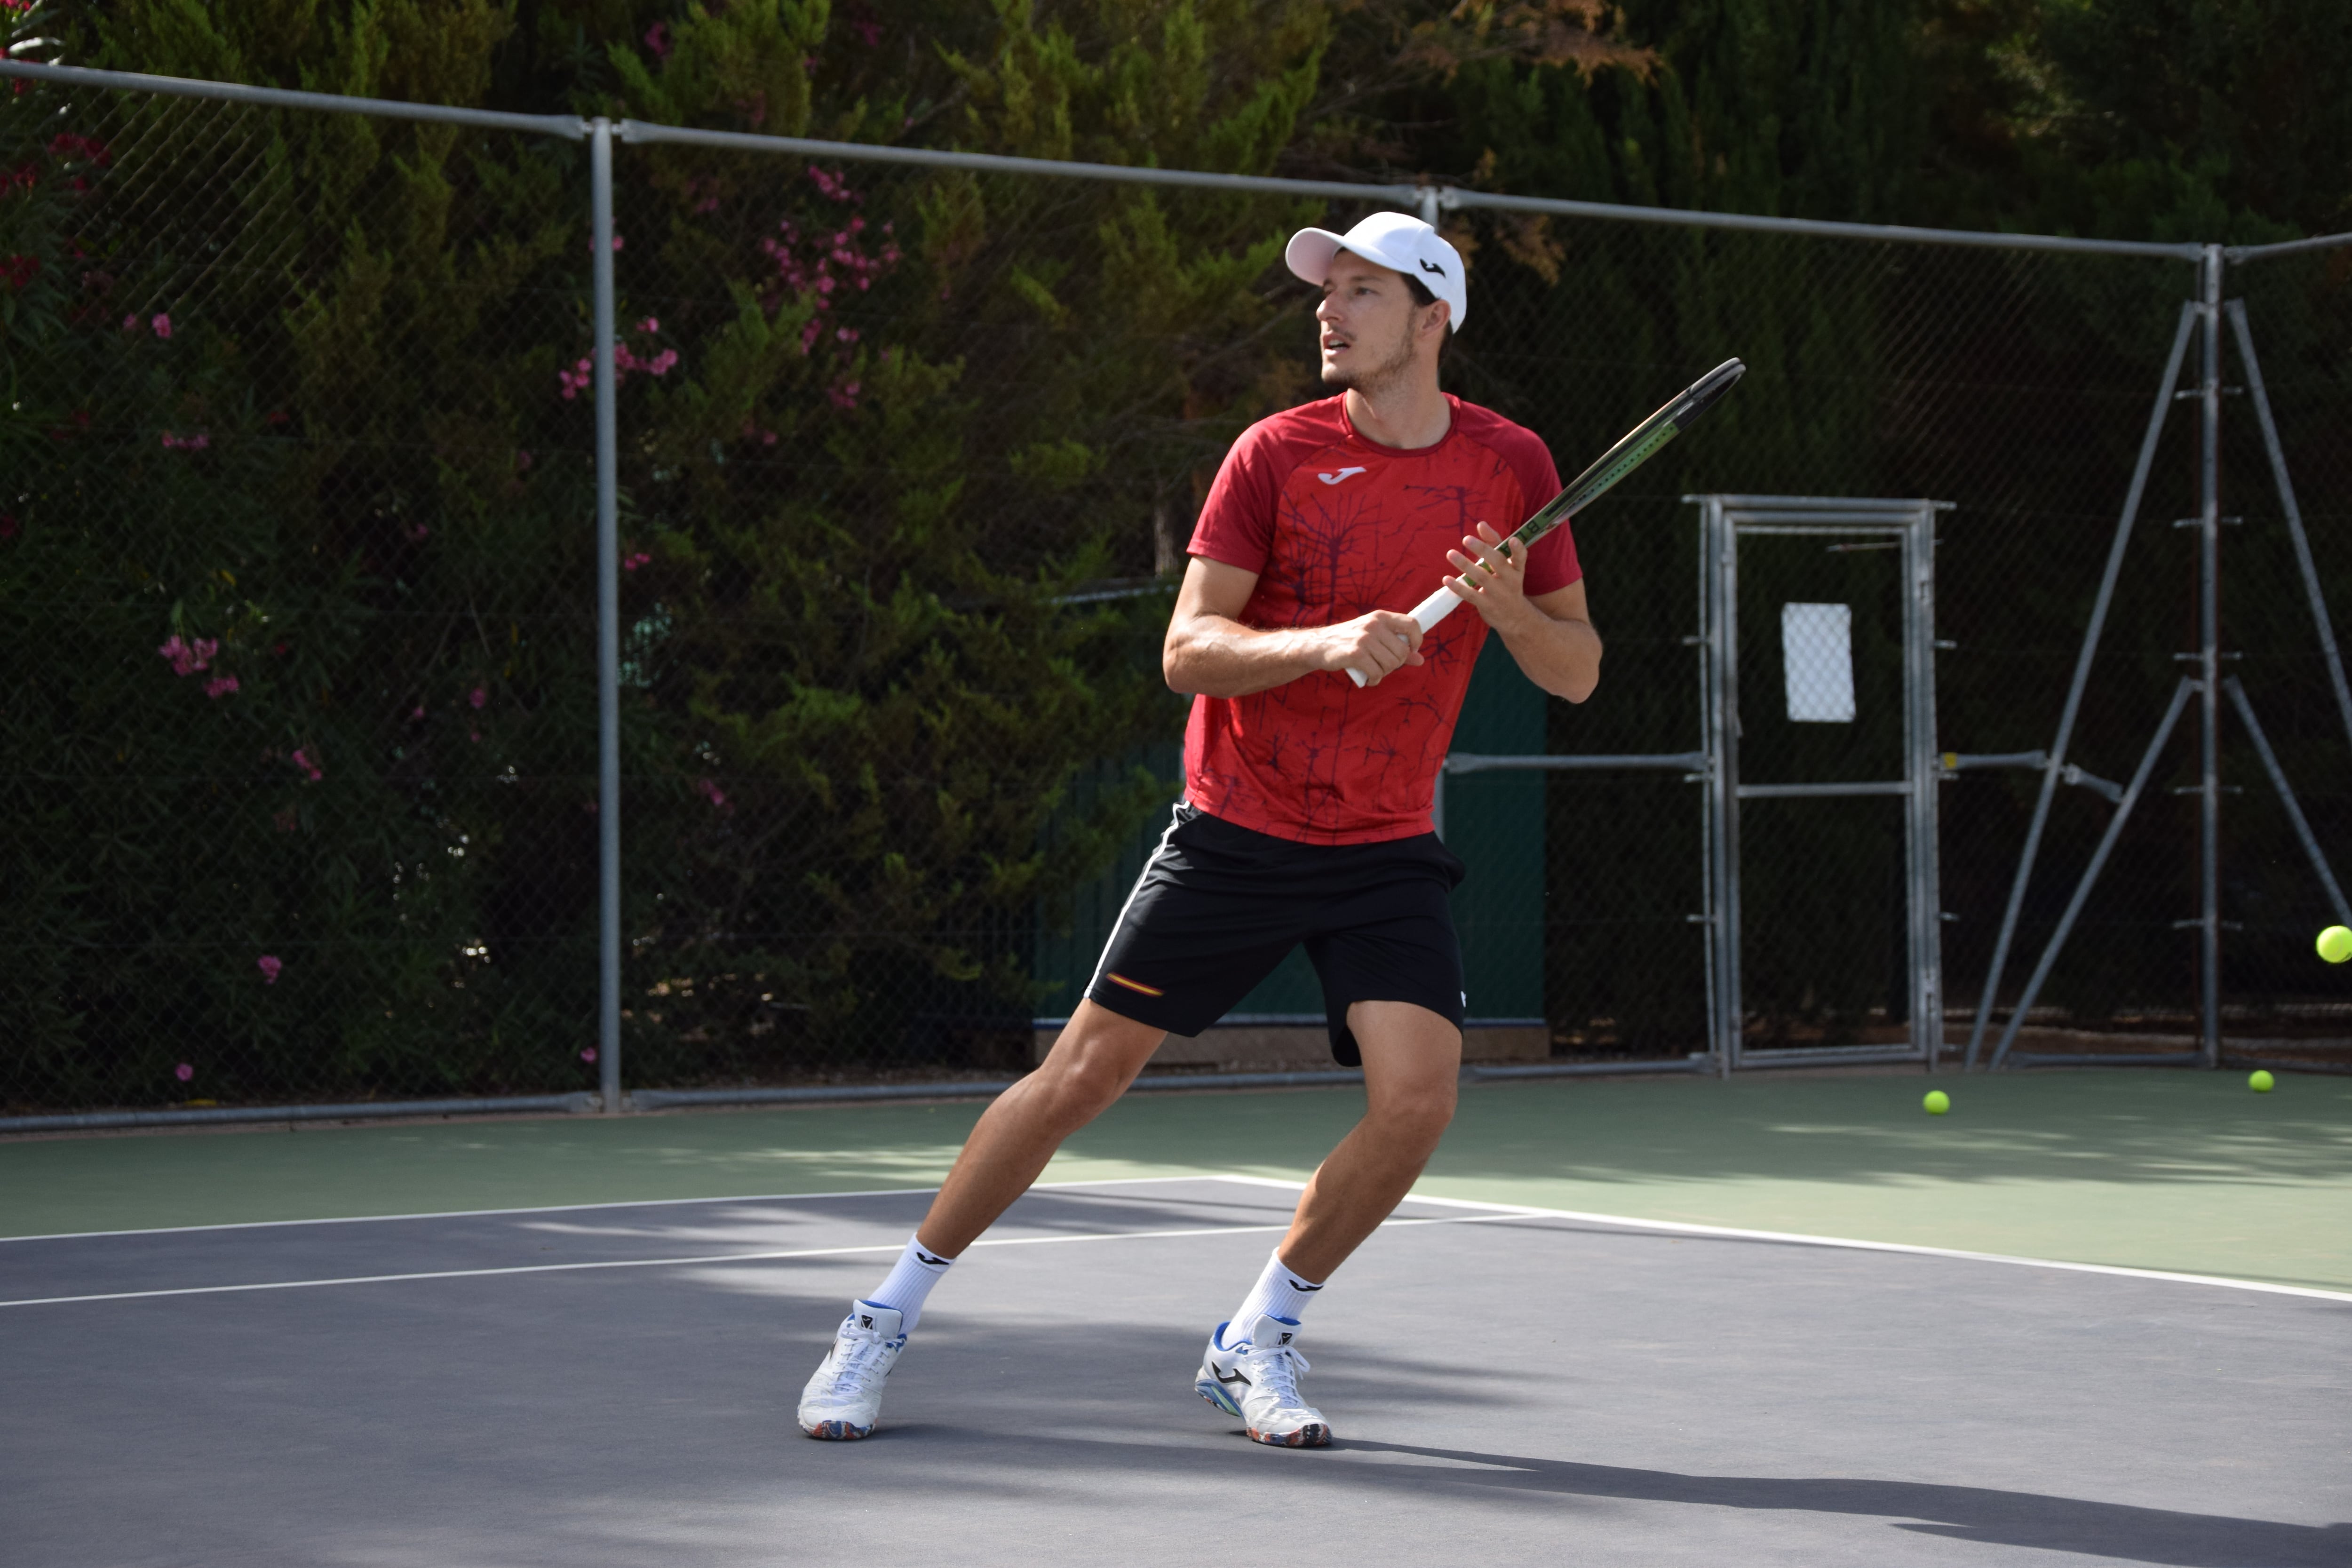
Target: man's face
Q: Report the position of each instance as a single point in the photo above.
(1365, 325)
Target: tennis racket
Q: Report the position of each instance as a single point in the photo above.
(1637, 447)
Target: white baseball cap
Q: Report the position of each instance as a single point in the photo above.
(1399, 242)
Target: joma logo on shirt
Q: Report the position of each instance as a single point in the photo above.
(1335, 479)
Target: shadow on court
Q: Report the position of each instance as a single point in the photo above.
(1974, 1514)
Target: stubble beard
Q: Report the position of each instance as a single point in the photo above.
(1369, 381)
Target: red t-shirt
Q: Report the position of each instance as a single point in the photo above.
(1336, 526)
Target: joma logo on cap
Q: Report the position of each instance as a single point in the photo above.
(1433, 267)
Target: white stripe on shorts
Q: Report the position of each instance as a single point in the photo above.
(1140, 878)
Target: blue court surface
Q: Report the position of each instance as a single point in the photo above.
(615, 1386)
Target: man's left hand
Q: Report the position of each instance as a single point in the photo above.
(1494, 583)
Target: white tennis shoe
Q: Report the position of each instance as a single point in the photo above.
(844, 1396)
(1255, 1377)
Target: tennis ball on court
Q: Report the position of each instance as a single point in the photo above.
(1938, 1102)
(2259, 1082)
(2335, 944)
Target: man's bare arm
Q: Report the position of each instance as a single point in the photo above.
(1550, 634)
(1210, 653)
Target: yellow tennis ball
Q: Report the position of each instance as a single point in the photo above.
(1938, 1102)
(2259, 1082)
(2335, 944)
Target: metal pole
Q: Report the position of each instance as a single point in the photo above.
(2091, 872)
(1724, 638)
(608, 628)
(1919, 767)
(1710, 883)
(2208, 662)
(2310, 569)
(2287, 798)
(2056, 766)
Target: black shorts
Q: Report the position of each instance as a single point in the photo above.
(1218, 906)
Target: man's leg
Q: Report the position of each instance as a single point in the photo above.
(1097, 1056)
(1412, 1061)
(1413, 1064)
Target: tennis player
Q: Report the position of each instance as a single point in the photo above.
(1305, 815)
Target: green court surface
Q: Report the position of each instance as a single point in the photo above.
(2158, 1169)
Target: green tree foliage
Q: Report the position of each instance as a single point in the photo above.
(300, 740)
(915, 417)
(881, 435)
(890, 435)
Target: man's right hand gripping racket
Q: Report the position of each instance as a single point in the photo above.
(1638, 446)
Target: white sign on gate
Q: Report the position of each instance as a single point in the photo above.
(1817, 655)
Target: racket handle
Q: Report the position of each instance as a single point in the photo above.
(1428, 613)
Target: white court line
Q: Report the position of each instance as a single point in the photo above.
(717, 1258)
(572, 1208)
(1845, 1243)
(1625, 1222)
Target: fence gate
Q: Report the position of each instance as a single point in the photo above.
(1817, 617)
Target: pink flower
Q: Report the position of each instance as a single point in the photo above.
(187, 658)
(220, 686)
(710, 791)
(477, 697)
(650, 325)
(162, 325)
(416, 533)
(657, 40)
(589, 1054)
(131, 323)
(195, 443)
(663, 361)
(269, 965)
(630, 563)
(184, 1072)
(301, 759)
(417, 713)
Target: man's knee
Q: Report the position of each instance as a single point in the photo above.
(1404, 1119)
(1097, 1056)
(1075, 1091)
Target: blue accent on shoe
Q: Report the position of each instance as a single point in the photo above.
(1213, 1392)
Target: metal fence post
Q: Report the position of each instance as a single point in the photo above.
(2209, 657)
(1719, 557)
(1920, 770)
(608, 628)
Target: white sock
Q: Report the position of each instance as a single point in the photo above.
(1278, 1291)
(909, 1280)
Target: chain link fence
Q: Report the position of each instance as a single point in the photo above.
(299, 536)
(300, 727)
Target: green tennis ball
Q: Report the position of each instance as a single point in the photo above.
(2335, 944)
(1938, 1102)
(2259, 1082)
